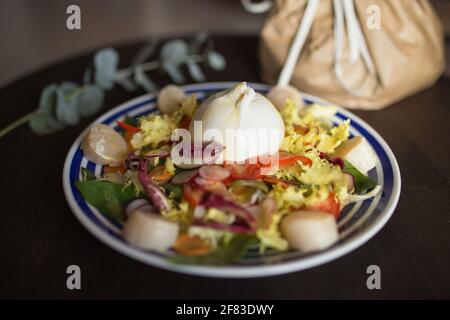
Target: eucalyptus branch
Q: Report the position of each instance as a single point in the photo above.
(55, 113)
(18, 123)
(151, 65)
(75, 92)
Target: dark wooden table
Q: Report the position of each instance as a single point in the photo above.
(40, 237)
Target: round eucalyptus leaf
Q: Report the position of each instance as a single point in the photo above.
(174, 72)
(216, 61)
(201, 37)
(196, 42)
(106, 62)
(174, 52)
(44, 124)
(47, 100)
(68, 86)
(90, 100)
(87, 76)
(66, 110)
(195, 71)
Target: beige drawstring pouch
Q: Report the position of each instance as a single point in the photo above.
(364, 54)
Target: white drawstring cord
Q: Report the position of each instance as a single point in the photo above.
(299, 41)
(352, 24)
(356, 32)
(338, 30)
(345, 10)
(344, 14)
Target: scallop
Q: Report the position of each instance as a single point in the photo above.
(136, 204)
(150, 231)
(103, 145)
(309, 231)
(358, 152)
(170, 98)
(278, 95)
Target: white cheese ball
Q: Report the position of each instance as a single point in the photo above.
(243, 121)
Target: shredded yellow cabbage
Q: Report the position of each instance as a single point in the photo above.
(211, 236)
(334, 137)
(170, 168)
(189, 106)
(180, 212)
(315, 121)
(157, 128)
(271, 237)
(290, 114)
(219, 216)
(131, 179)
(154, 130)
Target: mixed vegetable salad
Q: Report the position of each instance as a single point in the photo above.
(211, 212)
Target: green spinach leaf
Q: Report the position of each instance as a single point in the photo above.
(87, 175)
(173, 191)
(362, 183)
(131, 121)
(106, 196)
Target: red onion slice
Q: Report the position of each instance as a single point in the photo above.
(219, 202)
(155, 194)
(132, 162)
(199, 212)
(213, 172)
(337, 161)
(203, 182)
(160, 153)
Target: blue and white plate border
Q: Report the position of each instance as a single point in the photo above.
(105, 230)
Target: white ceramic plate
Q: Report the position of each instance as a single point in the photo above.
(357, 224)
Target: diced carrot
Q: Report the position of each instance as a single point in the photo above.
(191, 195)
(273, 180)
(159, 174)
(191, 246)
(301, 130)
(120, 169)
